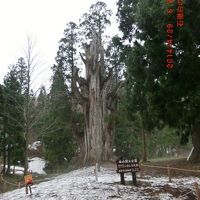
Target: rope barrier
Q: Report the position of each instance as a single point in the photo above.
(184, 195)
(168, 168)
(171, 168)
(19, 184)
(13, 184)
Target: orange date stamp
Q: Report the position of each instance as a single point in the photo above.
(170, 29)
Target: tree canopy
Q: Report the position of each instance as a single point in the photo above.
(171, 95)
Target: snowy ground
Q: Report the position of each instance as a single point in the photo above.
(36, 165)
(81, 185)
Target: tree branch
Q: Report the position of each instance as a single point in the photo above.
(82, 58)
(114, 94)
(107, 78)
(83, 84)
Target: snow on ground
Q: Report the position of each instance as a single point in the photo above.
(81, 185)
(18, 170)
(36, 165)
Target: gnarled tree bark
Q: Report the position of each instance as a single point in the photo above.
(97, 97)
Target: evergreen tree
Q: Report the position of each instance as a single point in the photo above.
(67, 53)
(128, 141)
(170, 94)
(59, 145)
(96, 92)
(13, 120)
(2, 133)
(41, 111)
(95, 21)
(21, 69)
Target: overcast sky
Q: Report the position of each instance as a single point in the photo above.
(45, 20)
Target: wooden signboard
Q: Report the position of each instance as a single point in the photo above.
(128, 165)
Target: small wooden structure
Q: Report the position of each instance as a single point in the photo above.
(128, 165)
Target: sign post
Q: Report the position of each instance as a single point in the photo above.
(128, 165)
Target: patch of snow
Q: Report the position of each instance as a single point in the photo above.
(36, 165)
(18, 170)
(35, 145)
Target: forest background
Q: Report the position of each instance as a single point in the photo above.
(130, 102)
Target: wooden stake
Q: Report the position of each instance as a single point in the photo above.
(141, 173)
(196, 186)
(122, 178)
(134, 179)
(96, 171)
(169, 173)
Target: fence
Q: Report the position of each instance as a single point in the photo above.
(169, 169)
(18, 185)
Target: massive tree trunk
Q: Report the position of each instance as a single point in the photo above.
(109, 111)
(79, 137)
(195, 155)
(97, 97)
(93, 111)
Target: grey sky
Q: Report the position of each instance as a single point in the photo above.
(45, 20)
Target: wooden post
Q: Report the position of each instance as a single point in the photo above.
(122, 178)
(141, 173)
(96, 171)
(134, 178)
(197, 191)
(169, 173)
